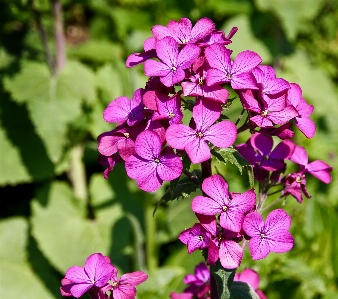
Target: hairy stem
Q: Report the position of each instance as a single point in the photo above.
(191, 176)
(43, 36)
(150, 230)
(239, 117)
(59, 35)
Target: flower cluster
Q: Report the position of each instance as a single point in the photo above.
(99, 279)
(151, 139)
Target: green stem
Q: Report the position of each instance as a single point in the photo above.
(150, 231)
(271, 204)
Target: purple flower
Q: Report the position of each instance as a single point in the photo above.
(230, 206)
(318, 168)
(195, 238)
(96, 273)
(109, 163)
(198, 86)
(124, 288)
(122, 109)
(270, 110)
(194, 141)
(259, 151)
(149, 166)
(169, 108)
(200, 277)
(267, 81)
(302, 120)
(273, 235)
(183, 32)
(173, 63)
(238, 73)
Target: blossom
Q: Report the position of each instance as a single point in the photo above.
(194, 141)
(302, 120)
(123, 109)
(273, 235)
(195, 238)
(230, 206)
(169, 108)
(124, 288)
(96, 272)
(149, 166)
(183, 32)
(238, 73)
(173, 63)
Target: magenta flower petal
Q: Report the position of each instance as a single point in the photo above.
(281, 242)
(118, 110)
(223, 134)
(277, 220)
(77, 274)
(249, 276)
(170, 167)
(173, 77)
(78, 290)
(124, 292)
(299, 156)
(245, 61)
(179, 135)
(205, 113)
(215, 76)
(219, 58)
(156, 68)
(202, 28)
(320, 170)
(244, 81)
(230, 254)
(253, 224)
(306, 126)
(134, 278)
(148, 145)
(217, 188)
(258, 248)
(205, 205)
(198, 151)
(262, 143)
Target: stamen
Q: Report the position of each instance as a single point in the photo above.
(174, 68)
(224, 208)
(157, 160)
(127, 135)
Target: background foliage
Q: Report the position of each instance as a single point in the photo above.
(56, 208)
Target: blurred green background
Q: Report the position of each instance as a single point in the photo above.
(56, 208)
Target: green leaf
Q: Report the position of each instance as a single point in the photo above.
(160, 283)
(184, 187)
(242, 290)
(53, 103)
(23, 157)
(244, 38)
(224, 279)
(293, 14)
(18, 279)
(62, 231)
(234, 157)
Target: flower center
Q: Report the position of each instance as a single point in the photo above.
(127, 135)
(201, 238)
(224, 208)
(298, 179)
(265, 113)
(199, 134)
(114, 284)
(157, 160)
(200, 81)
(171, 114)
(174, 68)
(228, 76)
(262, 235)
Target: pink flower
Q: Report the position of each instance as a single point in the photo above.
(123, 109)
(169, 108)
(183, 32)
(124, 288)
(194, 141)
(96, 273)
(230, 206)
(149, 166)
(273, 235)
(195, 238)
(238, 73)
(173, 63)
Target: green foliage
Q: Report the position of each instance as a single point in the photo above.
(242, 290)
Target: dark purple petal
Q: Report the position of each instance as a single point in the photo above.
(247, 151)
(262, 143)
(283, 150)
